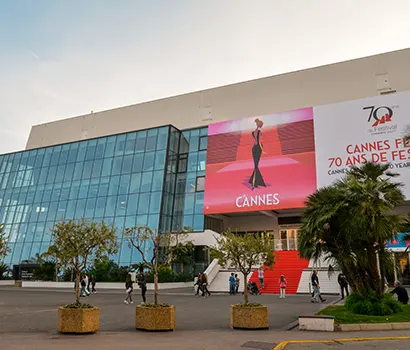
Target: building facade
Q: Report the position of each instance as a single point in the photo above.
(242, 157)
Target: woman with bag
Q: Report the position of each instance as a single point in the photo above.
(128, 289)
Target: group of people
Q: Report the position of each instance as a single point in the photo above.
(202, 285)
(129, 287)
(234, 282)
(86, 284)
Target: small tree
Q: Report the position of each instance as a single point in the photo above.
(4, 249)
(75, 242)
(245, 252)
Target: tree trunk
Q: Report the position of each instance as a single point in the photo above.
(155, 285)
(374, 272)
(77, 287)
(245, 288)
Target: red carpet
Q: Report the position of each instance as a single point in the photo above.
(288, 264)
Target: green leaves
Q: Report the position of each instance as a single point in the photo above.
(4, 250)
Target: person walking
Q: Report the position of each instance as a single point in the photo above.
(232, 284)
(91, 284)
(237, 282)
(142, 283)
(316, 289)
(128, 290)
(205, 291)
(199, 284)
(344, 285)
(84, 292)
(282, 287)
(261, 277)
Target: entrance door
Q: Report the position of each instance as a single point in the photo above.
(288, 239)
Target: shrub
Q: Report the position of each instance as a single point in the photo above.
(370, 304)
(166, 274)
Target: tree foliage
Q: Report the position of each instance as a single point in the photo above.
(350, 222)
(75, 242)
(244, 253)
(4, 249)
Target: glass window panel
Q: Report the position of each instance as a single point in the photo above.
(64, 154)
(135, 183)
(199, 203)
(107, 165)
(47, 193)
(127, 164)
(43, 176)
(60, 173)
(203, 131)
(72, 154)
(56, 194)
(120, 145)
(56, 155)
(100, 206)
(129, 220)
(162, 140)
(88, 166)
(119, 224)
(160, 160)
(82, 151)
(203, 143)
(188, 221)
(132, 205)
(155, 203)
(65, 191)
(143, 204)
(151, 139)
(109, 149)
(137, 163)
(70, 209)
(141, 220)
(149, 161)
(78, 171)
(80, 208)
(141, 141)
(75, 187)
(153, 221)
(125, 254)
(61, 210)
(25, 252)
(93, 191)
(121, 208)
(113, 186)
(89, 208)
(97, 168)
(69, 172)
(47, 232)
(90, 153)
(116, 168)
(189, 204)
(130, 143)
(201, 161)
(158, 180)
(124, 184)
(99, 152)
(35, 249)
(200, 183)
(111, 204)
(193, 161)
(47, 157)
(39, 194)
(39, 158)
(104, 185)
(198, 223)
(52, 211)
(84, 187)
(146, 182)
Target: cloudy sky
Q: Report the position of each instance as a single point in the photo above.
(62, 58)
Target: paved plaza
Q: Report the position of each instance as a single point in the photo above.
(28, 321)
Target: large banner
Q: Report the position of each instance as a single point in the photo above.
(355, 132)
(260, 163)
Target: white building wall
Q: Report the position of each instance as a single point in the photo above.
(333, 83)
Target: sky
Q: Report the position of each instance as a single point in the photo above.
(63, 58)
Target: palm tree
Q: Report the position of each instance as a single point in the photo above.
(350, 221)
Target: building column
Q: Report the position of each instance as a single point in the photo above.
(395, 267)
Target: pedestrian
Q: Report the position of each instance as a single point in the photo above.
(237, 282)
(344, 285)
(402, 295)
(316, 289)
(261, 277)
(142, 283)
(84, 292)
(205, 291)
(199, 284)
(282, 287)
(128, 290)
(91, 283)
(87, 283)
(232, 284)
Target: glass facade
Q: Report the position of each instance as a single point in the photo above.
(150, 177)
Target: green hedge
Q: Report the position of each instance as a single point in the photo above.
(370, 304)
(166, 274)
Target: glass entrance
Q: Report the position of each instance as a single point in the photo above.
(287, 239)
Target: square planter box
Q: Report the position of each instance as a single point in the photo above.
(249, 317)
(78, 320)
(155, 318)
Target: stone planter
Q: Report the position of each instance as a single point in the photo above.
(155, 318)
(18, 283)
(243, 317)
(78, 320)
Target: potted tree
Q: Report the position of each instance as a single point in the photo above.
(244, 253)
(74, 243)
(152, 316)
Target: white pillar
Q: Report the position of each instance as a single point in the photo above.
(395, 267)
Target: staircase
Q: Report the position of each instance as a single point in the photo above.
(288, 264)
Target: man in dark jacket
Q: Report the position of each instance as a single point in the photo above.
(316, 289)
(401, 292)
(142, 282)
(342, 280)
